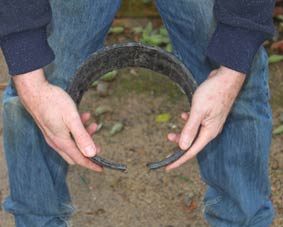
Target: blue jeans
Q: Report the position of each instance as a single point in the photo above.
(234, 165)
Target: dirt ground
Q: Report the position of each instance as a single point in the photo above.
(141, 198)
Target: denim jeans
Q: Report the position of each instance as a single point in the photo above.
(234, 165)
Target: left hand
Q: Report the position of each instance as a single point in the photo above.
(211, 104)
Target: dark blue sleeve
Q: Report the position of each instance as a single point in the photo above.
(23, 36)
(242, 26)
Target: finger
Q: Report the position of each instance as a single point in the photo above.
(91, 129)
(82, 139)
(203, 139)
(190, 129)
(185, 116)
(85, 117)
(98, 149)
(65, 156)
(173, 137)
(76, 155)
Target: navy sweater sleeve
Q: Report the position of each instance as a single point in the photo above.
(23, 36)
(242, 26)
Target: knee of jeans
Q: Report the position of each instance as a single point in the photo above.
(61, 210)
(219, 209)
(42, 220)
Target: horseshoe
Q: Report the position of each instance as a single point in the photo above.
(131, 54)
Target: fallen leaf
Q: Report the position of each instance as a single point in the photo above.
(163, 31)
(275, 58)
(109, 76)
(94, 84)
(192, 206)
(163, 117)
(117, 30)
(169, 47)
(99, 127)
(117, 127)
(277, 46)
(278, 130)
(138, 29)
(102, 110)
(148, 29)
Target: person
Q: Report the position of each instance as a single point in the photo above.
(219, 41)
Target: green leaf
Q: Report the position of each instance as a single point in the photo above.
(102, 110)
(169, 47)
(146, 1)
(163, 117)
(279, 17)
(148, 29)
(165, 40)
(163, 32)
(138, 29)
(94, 84)
(109, 76)
(117, 127)
(99, 127)
(144, 38)
(155, 40)
(267, 42)
(117, 30)
(275, 58)
(278, 130)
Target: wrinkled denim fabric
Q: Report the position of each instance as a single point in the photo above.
(234, 165)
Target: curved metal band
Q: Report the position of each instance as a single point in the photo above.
(131, 54)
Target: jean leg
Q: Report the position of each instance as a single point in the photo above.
(77, 30)
(235, 164)
(190, 23)
(39, 194)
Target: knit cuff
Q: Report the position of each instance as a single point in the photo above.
(26, 51)
(234, 47)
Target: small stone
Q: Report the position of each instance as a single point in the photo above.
(102, 89)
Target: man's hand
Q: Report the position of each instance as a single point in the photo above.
(56, 115)
(211, 104)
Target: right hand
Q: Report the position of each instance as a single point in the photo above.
(211, 104)
(56, 115)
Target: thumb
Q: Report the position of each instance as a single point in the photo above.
(82, 139)
(190, 129)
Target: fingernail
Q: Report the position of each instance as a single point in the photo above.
(90, 151)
